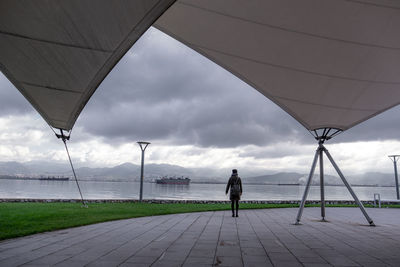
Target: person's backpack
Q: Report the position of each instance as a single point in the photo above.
(235, 188)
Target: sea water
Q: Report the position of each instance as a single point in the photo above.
(130, 190)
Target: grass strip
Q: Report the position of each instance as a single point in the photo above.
(21, 219)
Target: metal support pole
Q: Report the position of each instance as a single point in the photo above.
(321, 179)
(142, 168)
(76, 179)
(303, 200)
(64, 138)
(141, 178)
(395, 158)
(349, 187)
(396, 179)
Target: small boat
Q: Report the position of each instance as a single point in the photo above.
(173, 180)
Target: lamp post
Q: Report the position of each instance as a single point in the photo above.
(143, 146)
(395, 158)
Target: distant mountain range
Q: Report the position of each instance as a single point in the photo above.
(131, 172)
(370, 178)
(123, 172)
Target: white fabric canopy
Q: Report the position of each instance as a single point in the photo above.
(58, 52)
(330, 63)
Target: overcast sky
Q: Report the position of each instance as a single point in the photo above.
(194, 113)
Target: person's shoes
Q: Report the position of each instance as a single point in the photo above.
(237, 215)
(233, 215)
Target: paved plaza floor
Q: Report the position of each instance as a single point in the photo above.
(265, 237)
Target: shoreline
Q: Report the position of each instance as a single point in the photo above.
(192, 182)
(183, 201)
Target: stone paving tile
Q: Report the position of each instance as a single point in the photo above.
(169, 263)
(178, 247)
(288, 264)
(202, 252)
(307, 253)
(253, 251)
(260, 260)
(128, 264)
(69, 263)
(340, 261)
(365, 259)
(228, 251)
(15, 261)
(205, 246)
(174, 256)
(312, 260)
(199, 260)
(25, 258)
(7, 254)
(316, 265)
(281, 257)
(140, 259)
(100, 263)
(250, 244)
(326, 252)
(50, 259)
(197, 265)
(257, 264)
(150, 252)
(274, 247)
(256, 238)
(377, 264)
(228, 261)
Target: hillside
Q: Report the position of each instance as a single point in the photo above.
(131, 172)
(278, 178)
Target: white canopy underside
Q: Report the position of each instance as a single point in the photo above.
(58, 52)
(328, 63)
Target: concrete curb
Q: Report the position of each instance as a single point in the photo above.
(169, 201)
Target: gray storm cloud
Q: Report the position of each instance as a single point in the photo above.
(385, 126)
(182, 98)
(11, 100)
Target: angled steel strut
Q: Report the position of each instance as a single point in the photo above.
(64, 138)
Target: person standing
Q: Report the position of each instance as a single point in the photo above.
(235, 184)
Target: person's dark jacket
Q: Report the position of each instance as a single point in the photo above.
(233, 180)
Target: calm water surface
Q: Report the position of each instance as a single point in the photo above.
(123, 190)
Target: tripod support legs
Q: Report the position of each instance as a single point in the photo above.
(319, 154)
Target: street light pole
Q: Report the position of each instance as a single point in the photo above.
(395, 158)
(143, 146)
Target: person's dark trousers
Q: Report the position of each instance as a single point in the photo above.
(233, 207)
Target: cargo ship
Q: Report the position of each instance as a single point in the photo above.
(53, 178)
(173, 180)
